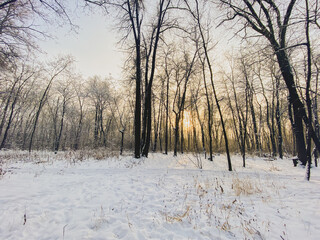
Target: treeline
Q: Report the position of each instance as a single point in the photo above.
(183, 89)
(78, 113)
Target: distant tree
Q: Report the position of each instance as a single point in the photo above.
(99, 93)
(21, 76)
(57, 68)
(182, 75)
(81, 97)
(65, 91)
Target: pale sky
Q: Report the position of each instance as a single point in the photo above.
(94, 47)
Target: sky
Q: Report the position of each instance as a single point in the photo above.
(94, 46)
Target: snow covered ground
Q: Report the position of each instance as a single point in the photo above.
(161, 197)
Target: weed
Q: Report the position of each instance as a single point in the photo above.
(98, 220)
(64, 230)
(2, 172)
(197, 160)
(274, 169)
(178, 217)
(245, 186)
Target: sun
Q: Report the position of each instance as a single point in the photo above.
(187, 120)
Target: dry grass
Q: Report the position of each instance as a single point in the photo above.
(98, 219)
(274, 169)
(97, 154)
(245, 186)
(178, 217)
(2, 172)
(48, 156)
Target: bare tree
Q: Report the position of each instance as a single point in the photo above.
(18, 30)
(168, 69)
(58, 67)
(308, 86)
(268, 19)
(181, 91)
(81, 97)
(131, 18)
(157, 30)
(20, 77)
(209, 104)
(64, 89)
(205, 42)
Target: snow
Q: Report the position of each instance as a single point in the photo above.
(160, 197)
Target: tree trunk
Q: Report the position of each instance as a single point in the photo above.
(137, 113)
(41, 103)
(176, 135)
(298, 108)
(167, 118)
(57, 142)
(293, 128)
(204, 45)
(254, 122)
(96, 127)
(278, 118)
(308, 99)
(9, 122)
(121, 145)
(78, 131)
(148, 109)
(6, 107)
(182, 134)
(209, 111)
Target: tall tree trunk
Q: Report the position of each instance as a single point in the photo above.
(308, 99)
(209, 110)
(96, 127)
(236, 133)
(182, 134)
(135, 22)
(157, 126)
(5, 110)
(57, 142)
(167, 118)
(176, 134)
(293, 128)
(278, 118)
(205, 48)
(272, 130)
(316, 120)
(5, 135)
(254, 122)
(122, 138)
(202, 132)
(298, 108)
(101, 129)
(41, 103)
(161, 15)
(78, 130)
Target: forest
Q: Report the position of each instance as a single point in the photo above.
(211, 131)
(253, 91)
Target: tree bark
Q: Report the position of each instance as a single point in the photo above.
(278, 119)
(57, 142)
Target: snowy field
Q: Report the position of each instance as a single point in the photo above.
(49, 196)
